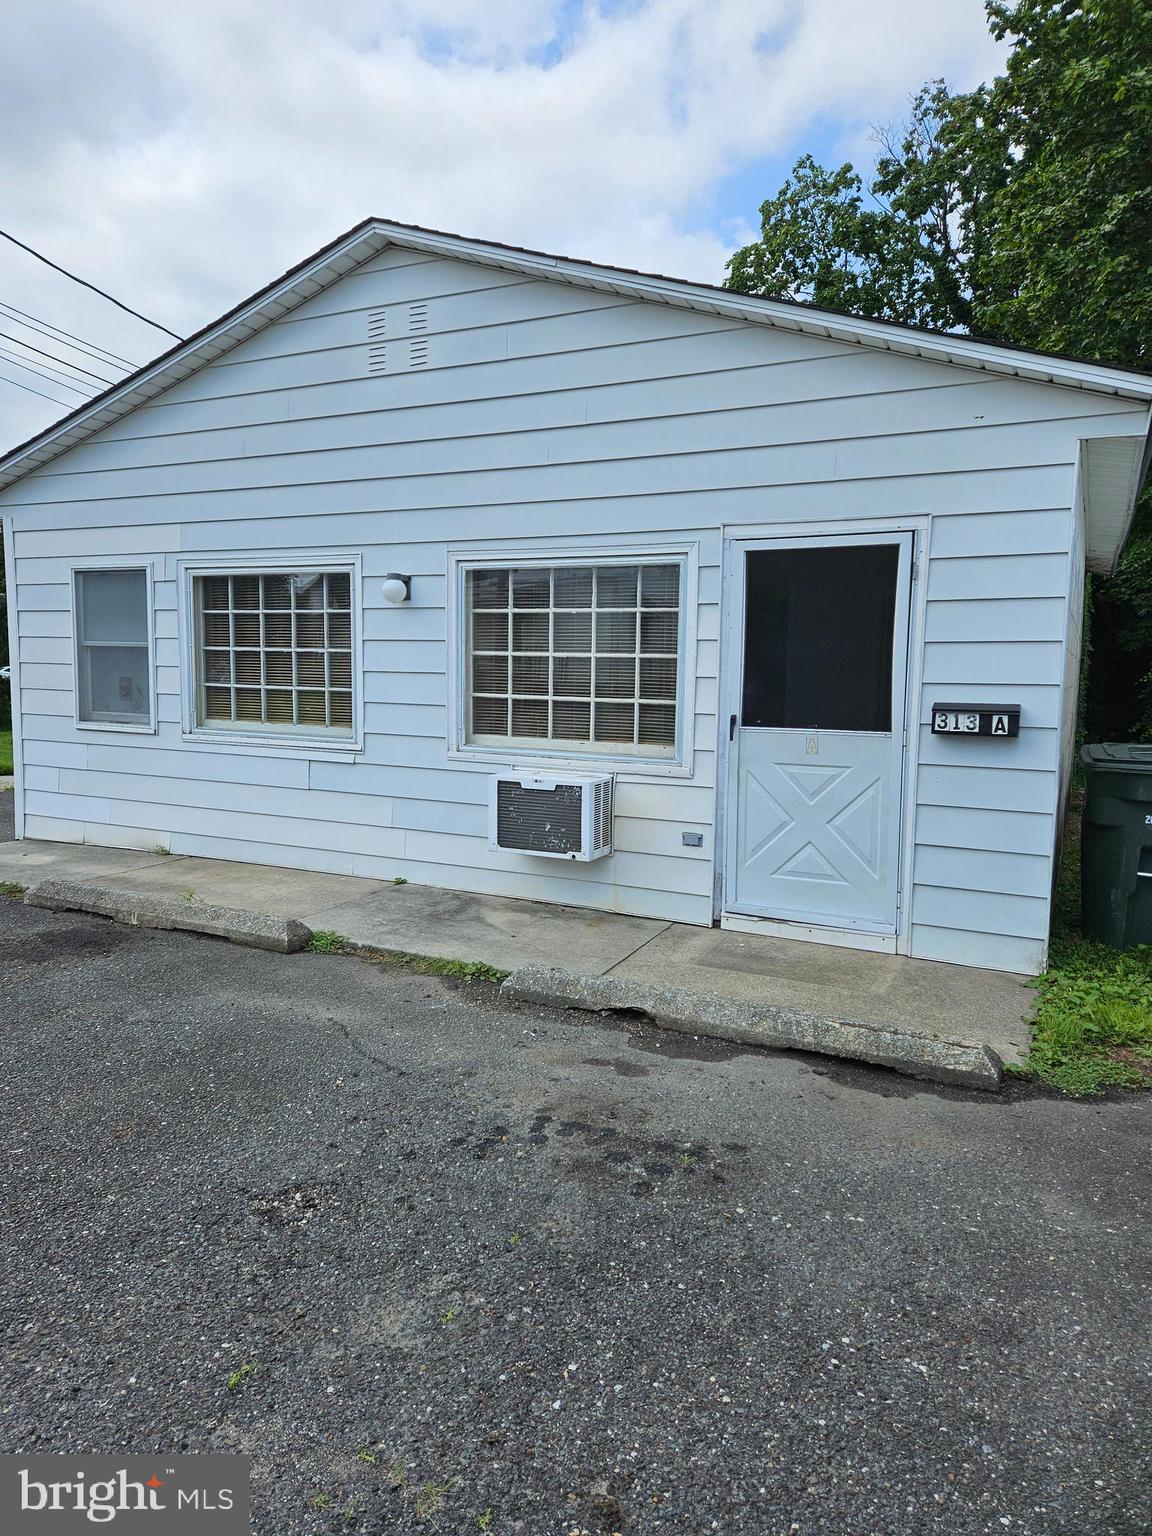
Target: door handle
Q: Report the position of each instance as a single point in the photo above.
(731, 727)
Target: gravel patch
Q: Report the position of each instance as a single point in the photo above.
(554, 1273)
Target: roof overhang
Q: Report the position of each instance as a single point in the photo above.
(1112, 470)
(359, 245)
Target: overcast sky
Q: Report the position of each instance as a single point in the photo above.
(181, 155)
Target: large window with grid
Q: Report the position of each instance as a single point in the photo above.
(579, 657)
(274, 652)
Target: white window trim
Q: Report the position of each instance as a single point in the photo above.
(102, 567)
(298, 741)
(521, 751)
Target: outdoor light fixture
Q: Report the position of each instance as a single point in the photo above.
(396, 588)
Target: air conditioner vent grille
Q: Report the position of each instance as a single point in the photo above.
(554, 818)
(539, 820)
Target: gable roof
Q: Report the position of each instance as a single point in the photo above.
(367, 239)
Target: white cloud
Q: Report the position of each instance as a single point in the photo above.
(181, 156)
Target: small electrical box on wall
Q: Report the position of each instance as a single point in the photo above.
(976, 720)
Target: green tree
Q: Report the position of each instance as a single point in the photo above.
(1021, 210)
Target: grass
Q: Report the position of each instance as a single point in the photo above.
(429, 965)
(10, 888)
(241, 1375)
(5, 752)
(1093, 1024)
(325, 942)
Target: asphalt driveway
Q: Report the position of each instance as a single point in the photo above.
(507, 1270)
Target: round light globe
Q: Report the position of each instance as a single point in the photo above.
(396, 588)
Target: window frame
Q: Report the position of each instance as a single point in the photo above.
(563, 755)
(293, 740)
(103, 568)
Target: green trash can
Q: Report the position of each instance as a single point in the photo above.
(1116, 858)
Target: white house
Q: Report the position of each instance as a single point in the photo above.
(427, 509)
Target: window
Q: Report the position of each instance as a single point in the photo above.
(113, 652)
(580, 656)
(274, 652)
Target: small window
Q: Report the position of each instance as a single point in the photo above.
(580, 657)
(113, 655)
(274, 652)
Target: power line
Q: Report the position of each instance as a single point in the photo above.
(6, 380)
(85, 284)
(61, 382)
(76, 368)
(46, 328)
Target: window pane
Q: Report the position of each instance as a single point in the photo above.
(660, 586)
(490, 717)
(530, 632)
(284, 639)
(615, 722)
(659, 632)
(217, 629)
(572, 675)
(818, 638)
(572, 632)
(529, 717)
(616, 586)
(658, 723)
(657, 679)
(530, 674)
(616, 631)
(490, 631)
(533, 631)
(489, 588)
(572, 587)
(309, 591)
(531, 589)
(571, 722)
(277, 591)
(490, 674)
(113, 606)
(615, 677)
(114, 684)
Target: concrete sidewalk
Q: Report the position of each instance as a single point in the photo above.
(757, 981)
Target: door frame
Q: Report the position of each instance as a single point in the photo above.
(910, 532)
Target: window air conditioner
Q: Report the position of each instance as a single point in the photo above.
(557, 818)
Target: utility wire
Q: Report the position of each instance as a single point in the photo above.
(61, 382)
(76, 368)
(46, 328)
(4, 379)
(85, 284)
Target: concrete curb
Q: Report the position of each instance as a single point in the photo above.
(697, 1013)
(141, 910)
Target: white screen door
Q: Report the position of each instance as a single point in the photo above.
(820, 637)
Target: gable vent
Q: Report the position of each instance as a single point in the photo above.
(389, 352)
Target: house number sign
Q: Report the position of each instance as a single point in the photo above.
(976, 720)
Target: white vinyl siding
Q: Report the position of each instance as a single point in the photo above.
(551, 417)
